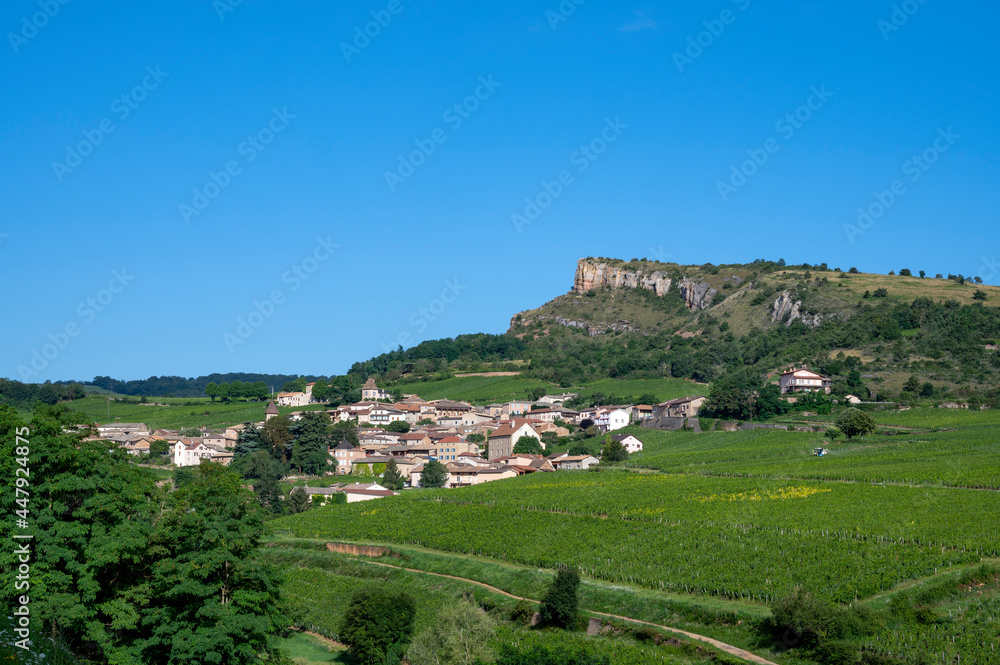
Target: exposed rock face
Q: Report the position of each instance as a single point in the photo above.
(784, 309)
(591, 276)
(697, 295)
(592, 329)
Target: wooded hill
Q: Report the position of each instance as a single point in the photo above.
(642, 319)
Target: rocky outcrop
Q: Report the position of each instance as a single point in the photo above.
(591, 329)
(785, 308)
(591, 275)
(697, 295)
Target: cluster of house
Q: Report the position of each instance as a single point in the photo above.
(136, 439)
(462, 470)
(440, 430)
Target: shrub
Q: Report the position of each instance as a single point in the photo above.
(377, 624)
(560, 602)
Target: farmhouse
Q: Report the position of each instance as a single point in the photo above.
(574, 462)
(629, 442)
(685, 407)
(291, 399)
(802, 380)
(502, 440)
(137, 429)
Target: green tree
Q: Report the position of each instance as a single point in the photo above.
(208, 596)
(212, 390)
(528, 445)
(399, 426)
(264, 474)
(345, 430)
(159, 447)
(312, 437)
(559, 605)
(905, 272)
(459, 635)
(980, 295)
(223, 392)
(277, 435)
(425, 421)
(237, 390)
(247, 441)
(47, 394)
(927, 390)
(912, 384)
(475, 438)
(613, 451)
(321, 390)
(378, 624)
(92, 514)
(392, 478)
(190, 432)
(295, 386)
(922, 274)
(854, 422)
(298, 500)
(536, 394)
(259, 391)
(434, 474)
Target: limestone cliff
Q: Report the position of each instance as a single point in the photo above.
(592, 275)
(789, 310)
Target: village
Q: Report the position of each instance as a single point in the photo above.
(475, 444)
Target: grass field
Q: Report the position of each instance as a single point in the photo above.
(490, 389)
(175, 413)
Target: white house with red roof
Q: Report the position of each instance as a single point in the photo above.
(802, 380)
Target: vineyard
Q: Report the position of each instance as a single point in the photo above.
(743, 518)
(488, 389)
(757, 540)
(318, 587)
(174, 413)
(966, 457)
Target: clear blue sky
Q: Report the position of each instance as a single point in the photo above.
(308, 129)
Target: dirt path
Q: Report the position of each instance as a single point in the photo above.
(721, 646)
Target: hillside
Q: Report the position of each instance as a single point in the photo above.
(647, 320)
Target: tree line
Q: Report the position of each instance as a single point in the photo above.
(25, 395)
